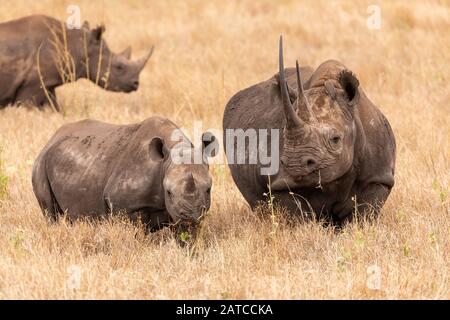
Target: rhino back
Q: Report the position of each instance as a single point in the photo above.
(77, 161)
(19, 43)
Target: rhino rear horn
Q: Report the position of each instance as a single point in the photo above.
(303, 107)
(126, 53)
(292, 119)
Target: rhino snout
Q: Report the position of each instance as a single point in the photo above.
(193, 216)
(130, 87)
(135, 85)
(310, 164)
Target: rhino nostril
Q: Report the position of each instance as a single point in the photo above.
(310, 163)
(136, 84)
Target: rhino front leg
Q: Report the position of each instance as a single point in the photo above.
(152, 220)
(372, 198)
(368, 203)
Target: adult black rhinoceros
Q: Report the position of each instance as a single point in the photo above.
(38, 52)
(91, 169)
(336, 147)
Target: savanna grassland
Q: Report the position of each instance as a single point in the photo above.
(205, 51)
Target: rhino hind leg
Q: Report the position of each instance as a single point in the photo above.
(44, 193)
(37, 96)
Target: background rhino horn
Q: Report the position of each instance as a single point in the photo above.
(303, 107)
(126, 53)
(141, 62)
(292, 119)
(190, 185)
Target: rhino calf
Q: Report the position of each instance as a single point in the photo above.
(38, 54)
(337, 150)
(92, 169)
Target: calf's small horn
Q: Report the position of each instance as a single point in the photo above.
(190, 185)
(126, 53)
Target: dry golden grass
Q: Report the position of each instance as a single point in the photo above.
(205, 52)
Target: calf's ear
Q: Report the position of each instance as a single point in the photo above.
(350, 84)
(158, 150)
(210, 145)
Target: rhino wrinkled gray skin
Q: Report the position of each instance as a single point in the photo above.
(64, 55)
(337, 149)
(92, 169)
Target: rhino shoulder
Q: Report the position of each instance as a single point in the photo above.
(377, 161)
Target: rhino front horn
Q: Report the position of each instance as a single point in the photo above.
(190, 184)
(141, 62)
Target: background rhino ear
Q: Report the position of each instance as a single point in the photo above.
(98, 32)
(157, 148)
(210, 145)
(85, 25)
(126, 53)
(350, 84)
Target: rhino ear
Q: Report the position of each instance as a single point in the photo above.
(158, 150)
(350, 84)
(98, 32)
(210, 145)
(85, 25)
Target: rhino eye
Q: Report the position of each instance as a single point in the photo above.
(335, 139)
(119, 67)
(169, 194)
(208, 191)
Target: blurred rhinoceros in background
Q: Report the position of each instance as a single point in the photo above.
(39, 53)
(337, 150)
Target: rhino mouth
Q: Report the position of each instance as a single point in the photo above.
(125, 89)
(185, 221)
(130, 89)
(287, 182)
